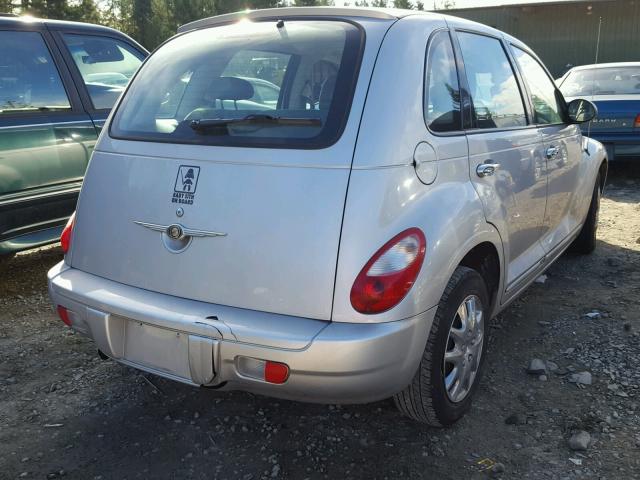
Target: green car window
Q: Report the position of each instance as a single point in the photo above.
(29, 80)
(106, 66)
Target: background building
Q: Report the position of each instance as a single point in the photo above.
(563, 33)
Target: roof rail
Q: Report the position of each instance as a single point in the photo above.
(8, 14)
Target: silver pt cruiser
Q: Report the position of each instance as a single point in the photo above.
(327, 205)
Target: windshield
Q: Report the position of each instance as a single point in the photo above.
(602, 81)
(286, 84)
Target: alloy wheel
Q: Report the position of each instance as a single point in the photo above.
(464, 349)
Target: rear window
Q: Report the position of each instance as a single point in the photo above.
(263, 84)
(602, 81)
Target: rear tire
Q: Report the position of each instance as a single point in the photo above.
(585, 242)
(427, 399)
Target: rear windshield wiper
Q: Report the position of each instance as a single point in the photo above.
(204, 124)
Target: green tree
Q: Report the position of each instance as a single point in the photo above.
(83, 10)
(406, 4)
(256, 4)
(185, 11)
(379, 3)
(6, 6)
(312, 3)
(419, 5)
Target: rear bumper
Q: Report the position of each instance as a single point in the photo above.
(203, 344)
(619, 145)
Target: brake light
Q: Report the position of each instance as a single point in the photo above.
(63, 313)
(65, 238)
(636, 122)
(389, 275)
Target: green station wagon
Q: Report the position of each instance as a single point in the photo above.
(58, 82)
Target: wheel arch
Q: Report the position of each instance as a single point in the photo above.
(485, 259)
(603, 170)
(483, 252)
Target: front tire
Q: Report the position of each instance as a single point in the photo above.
(585, 242)
(449, 372)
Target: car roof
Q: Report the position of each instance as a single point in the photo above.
(26, 20)
(390, 14)
(372, 13)
(606, 65)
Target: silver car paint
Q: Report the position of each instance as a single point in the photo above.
(329, 361)
(281, 211)
(331, 353)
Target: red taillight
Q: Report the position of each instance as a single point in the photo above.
(389, 275)
(275, 372)
(636, 122)
(63, 313)
(65, 238)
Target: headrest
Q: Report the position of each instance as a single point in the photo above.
(231, 88)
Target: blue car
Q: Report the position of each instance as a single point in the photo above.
(615, 89)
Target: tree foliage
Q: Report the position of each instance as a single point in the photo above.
(403, 4)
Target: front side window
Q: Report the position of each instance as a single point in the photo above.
(602, 81)
(442, 95)
(29, 80)
(246, 84)
(546, 103)
(495, 95)
(106, 66)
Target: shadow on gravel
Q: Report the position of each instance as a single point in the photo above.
(167, 430)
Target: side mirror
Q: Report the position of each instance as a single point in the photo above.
(581, 111)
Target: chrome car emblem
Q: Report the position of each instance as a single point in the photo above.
(177, 231)
(174, 231)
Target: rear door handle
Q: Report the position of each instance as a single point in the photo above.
(551, 152)
(487, 169)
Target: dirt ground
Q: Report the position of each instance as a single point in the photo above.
(66, 413)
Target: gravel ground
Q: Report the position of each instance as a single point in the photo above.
(66, 413)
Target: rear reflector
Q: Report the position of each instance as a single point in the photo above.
(275, 372)
(636, 123)
(65, 238)
(63, 313)
(266, 370)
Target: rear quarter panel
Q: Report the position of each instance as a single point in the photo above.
(385, 195)
(385, 201)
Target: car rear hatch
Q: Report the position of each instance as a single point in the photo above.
(205, 190)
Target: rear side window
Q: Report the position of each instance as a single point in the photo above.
(546, 103)
(246, 84)
(442, 93)
(29, 80)
(496, 98)
(106, 66)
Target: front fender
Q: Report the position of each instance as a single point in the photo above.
(593, 156)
